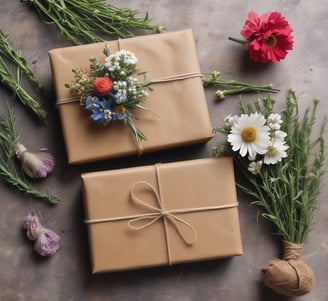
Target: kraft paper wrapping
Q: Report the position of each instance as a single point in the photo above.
(199, 192)
(178, 112)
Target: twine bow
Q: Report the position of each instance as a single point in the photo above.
(160, 213)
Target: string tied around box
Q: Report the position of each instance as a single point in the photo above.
(161, 213)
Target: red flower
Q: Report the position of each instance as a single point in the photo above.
(102, 86)
(268, 37)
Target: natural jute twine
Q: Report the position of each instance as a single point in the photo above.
(290, 276)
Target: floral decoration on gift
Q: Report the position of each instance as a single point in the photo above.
(111, 91)
(283, 168)
(268, 38)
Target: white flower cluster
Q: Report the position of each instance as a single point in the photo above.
(120, 59)
(128, 89)
(261, 139)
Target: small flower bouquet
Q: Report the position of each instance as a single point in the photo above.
(268, 37)
(112, 90)
(283, 168)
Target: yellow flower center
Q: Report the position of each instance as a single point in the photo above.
(120, 109)
(271, 41)
(248, 134)
(272, 151)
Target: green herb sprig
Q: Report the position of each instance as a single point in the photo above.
(229, 87)
(83, 21)
(10, 60)
(8, 51)
(13, 83)
(8, 140)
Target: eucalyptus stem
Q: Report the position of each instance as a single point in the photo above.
(9, 138)
(83, 21)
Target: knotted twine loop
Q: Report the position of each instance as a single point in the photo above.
(160, 213)
(290, 276)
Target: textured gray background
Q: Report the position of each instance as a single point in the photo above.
(66, 276)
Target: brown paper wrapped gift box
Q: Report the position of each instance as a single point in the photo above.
(161, 214)
(180, 113)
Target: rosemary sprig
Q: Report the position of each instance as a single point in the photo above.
(233, 86)
(83, 21)
(8, 139)
(13, 83)
(288, 191)
(6, 50)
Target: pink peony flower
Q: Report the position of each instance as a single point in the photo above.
(36, 164)
(46, 241)
(268, 37)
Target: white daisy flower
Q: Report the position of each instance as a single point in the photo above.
(255, 167)
(276, 151)
(249, 135)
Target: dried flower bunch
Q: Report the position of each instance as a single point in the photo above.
(86, 21)
(46, 240)
(110, 91)
(283, 168)
(268, 37)
(35, 165)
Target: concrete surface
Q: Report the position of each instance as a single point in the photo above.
(66, 276)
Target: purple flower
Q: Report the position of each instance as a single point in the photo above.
(37, 164)
(46, 241)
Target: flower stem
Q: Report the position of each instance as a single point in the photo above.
(238, 86)
(240, 41)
